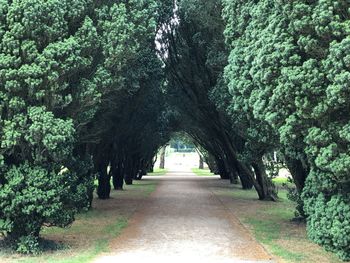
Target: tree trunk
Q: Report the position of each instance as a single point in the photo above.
(118, 180)
(233, 177)
(201, 162)
(162, 157)
(298, 172)
(267, 190)
(222, 170)
(212, 164)
(104, 185)
(151, 166)
(246, 181)
(128, 176)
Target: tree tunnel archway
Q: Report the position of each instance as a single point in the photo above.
(87, 85)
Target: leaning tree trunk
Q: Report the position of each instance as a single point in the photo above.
(233, 176)
(151, 165)
(222, 169)
(298, 172)
(201, 162)
(246, 181)
(162, 158)
(210, 160)
(267, 188)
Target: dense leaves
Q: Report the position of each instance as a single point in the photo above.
(66, 69)
(288, 67)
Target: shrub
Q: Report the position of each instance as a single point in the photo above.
(33, 197)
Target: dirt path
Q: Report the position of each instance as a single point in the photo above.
(183, 220)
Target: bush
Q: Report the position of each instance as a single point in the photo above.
(328, 221)
(28, 245)
(33, 197)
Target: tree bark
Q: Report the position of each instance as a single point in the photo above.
(201, 162)
(222, 169)
(233, 177)
(298, 172)
(267, 190)
(128, 176)
(104, 185)
(162, 157)
(117, 173)
(246, 181)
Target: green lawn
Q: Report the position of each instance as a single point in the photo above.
(271, 225)
(202, 172)
(281, 181)
(158, 171)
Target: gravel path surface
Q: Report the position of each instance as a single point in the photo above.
(184, 221)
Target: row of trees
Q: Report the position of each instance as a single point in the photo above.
(288, 71)
(80, 89)
(249, 79)
(92, 89)
(195, 55)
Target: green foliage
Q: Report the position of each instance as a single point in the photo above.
(294, 195)
(82, 87)
(288, 67)
(32, 197)
(328, 223)
(28, 245)
(65, 73)
(41, 56)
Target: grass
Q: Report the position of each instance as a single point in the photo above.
(202, 172)
(281, 181)
(271, 225)
(158, 171)
(92, 232)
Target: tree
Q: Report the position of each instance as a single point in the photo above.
(62, 63)
(162, 157)
(196, 56)
(42, 56)
(287, 68)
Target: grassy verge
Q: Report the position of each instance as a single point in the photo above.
(271, 225)
(202, 172)
(158, 171)
(92, 231)
(280, 180)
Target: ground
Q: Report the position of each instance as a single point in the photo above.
(270, 223)
(92, 232)
(184, 220)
